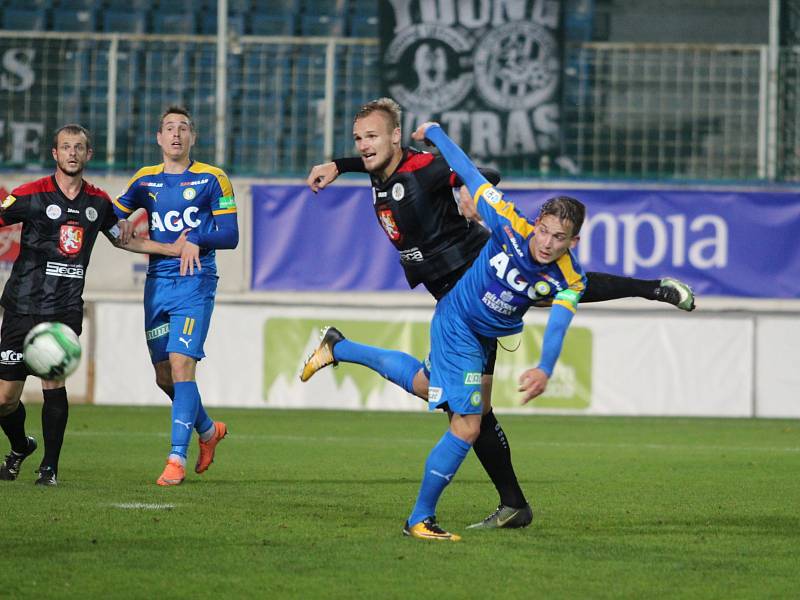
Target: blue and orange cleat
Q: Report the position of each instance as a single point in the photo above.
(174, 474)
(207, 449)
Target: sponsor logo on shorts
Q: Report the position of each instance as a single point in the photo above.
(157, 332)
(10, 357)
(472, 378)
(434, 394)
(475, 399)
(56, 269)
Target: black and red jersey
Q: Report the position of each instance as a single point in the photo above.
(57, 239)
(416, 208)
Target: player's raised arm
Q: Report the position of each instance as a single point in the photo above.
(455, 156)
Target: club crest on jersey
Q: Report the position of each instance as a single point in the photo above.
(398, 191)
(189, 194)
(70, 239)
(91, 214)
(389, 225)
(53, 211)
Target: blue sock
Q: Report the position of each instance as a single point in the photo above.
(398, 367)
(203, 422)
(184, 413)
(440, 468)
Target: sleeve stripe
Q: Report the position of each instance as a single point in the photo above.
(224, 211)
(480, 191)
(565, 304)
(122, 207)
(570, 274)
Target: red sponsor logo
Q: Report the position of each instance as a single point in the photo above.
(70, 240)
(389, 225)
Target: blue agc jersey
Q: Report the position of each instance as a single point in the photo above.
(175, 202)
(505, 280)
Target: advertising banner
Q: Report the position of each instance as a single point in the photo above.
(739, 243)
(610, 365)
(489, 71)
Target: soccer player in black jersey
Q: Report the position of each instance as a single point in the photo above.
(61, 216)
(414, 204)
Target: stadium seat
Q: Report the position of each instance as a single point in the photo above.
(275, 7)
(267, 24)
(358, 26)
(29, 4)
(115, 21)
(74, 5)
(24, 19)
(143, 5)
(183, 23)
(328, 8)
(208, 26)
(320, 25)
(67, 19)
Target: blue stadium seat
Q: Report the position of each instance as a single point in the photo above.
(74, 5)
(266, 24)
(330, 8)
(359, 26)
(275, 7)
(183, 23)
(143, 5)
(208, 26)
(320, 25)
(116, 21)
(67, 19)
(24, 19)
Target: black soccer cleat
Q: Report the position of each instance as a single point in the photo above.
(323, 355)
(47, 476)
(506, 517)
(9, 470)
(675, 292)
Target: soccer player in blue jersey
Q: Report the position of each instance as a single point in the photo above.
(520, 265)
(191, 204)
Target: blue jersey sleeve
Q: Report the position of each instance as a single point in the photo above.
(557, 325)
(225, 235)
(126, 202)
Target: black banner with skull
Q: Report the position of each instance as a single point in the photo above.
(488, 70)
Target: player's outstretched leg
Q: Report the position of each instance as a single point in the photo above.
(398, 367)
(675, 292)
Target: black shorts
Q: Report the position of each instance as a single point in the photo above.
(12, 334)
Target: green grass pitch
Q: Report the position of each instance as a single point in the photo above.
(310, 504)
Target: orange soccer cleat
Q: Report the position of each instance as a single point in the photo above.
(208, 448)
(174, 474)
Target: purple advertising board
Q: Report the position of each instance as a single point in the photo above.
(726, 242)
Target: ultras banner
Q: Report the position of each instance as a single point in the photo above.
(489, 71)
(725, 243)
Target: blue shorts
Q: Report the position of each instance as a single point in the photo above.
(177, 315)
(458, 358)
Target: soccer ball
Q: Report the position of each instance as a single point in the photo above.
(52, 351)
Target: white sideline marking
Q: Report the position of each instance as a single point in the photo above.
(518, 443)
(143, 506)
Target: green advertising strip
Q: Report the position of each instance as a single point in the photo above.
(286, 343)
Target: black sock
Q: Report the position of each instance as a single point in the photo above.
(14, 427)
(604, 286)
(55, 412)
(493, 451)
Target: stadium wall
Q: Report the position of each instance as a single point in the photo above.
(731, 357)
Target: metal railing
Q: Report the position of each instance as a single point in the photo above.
(630, 110)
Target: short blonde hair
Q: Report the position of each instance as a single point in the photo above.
(386, 106)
